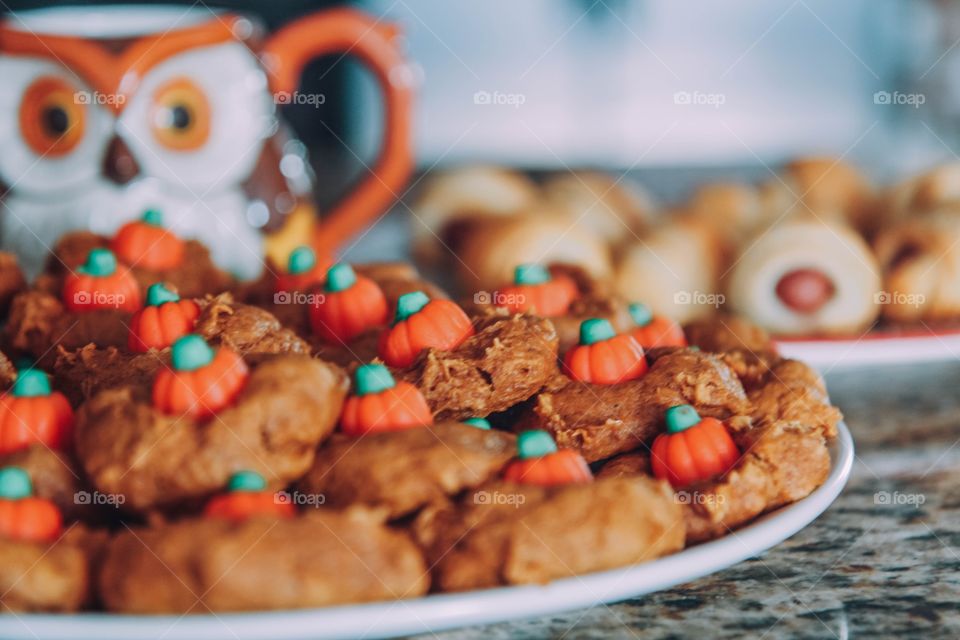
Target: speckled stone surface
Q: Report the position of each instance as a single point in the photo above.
(883, 561)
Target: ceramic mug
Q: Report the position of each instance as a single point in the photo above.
(108, 111)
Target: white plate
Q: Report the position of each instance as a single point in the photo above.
(879, 348)
(434, 613)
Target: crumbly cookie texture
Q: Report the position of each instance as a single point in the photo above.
(289, 405)
(508, 360)
(320, 559)
(400, 472)
(600, 421)
(504, 534)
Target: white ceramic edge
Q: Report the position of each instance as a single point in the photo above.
(840, 354)
(439, 612)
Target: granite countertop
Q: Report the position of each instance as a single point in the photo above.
(883, 561)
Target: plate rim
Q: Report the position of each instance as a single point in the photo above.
(445, 611)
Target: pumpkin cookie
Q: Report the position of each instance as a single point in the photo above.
(506, 533)
(208, 418)
(403, 471)
(744, 346)
(321, 559)
(43, 567)
(601, 420)
(506, 360)
(251, 331)
(153, 254)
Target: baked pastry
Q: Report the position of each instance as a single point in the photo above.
(602, 420)
(675, 269)
(826, 187)
(731, 208)
(400, 472)
(493, 249)
(616, 210)
(463, 195)
(506, 533)
(205, 419)
(806, 277)
(929, 191)
(322, 558)
(920, 258)
(12, 281)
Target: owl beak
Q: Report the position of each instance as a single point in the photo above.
(119, 165)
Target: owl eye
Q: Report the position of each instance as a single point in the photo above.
(180, 116)
(52, 120)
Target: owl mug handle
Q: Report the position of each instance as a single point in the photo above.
(350, 31)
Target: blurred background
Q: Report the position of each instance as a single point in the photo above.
(637, 84)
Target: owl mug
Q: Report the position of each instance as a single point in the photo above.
(106, 112)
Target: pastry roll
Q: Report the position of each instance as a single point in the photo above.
(468, 192)
(806, 277)
(490, 255)
(920, 258)
(828, 187)
(921, 194)
(674, 270)
(614, 209)
(731, 208)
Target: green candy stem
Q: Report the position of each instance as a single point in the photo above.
(680, 418)
(246, 481)
(535, 444)
(152, 217)
(409, 304)
(158, 294)
(479, 423)
(15, 484)
(340, 277)
(100, 263)
(372, 378)
(530, 274)
(641, 314)
(191, 352)
(31, 383)
(595, 330)
(301, 260)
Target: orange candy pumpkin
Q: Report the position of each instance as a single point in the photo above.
(655, 331)
(603, 357)
(304, 271)
(379, 403)
(145, 243)
(165, 318)
(693, 449)
(350, 305)
(536, 291)
(540, 463)
(22, 516)
(202, 382)
(422, 323)
(247, 497)
(31, 413)
(100, 283)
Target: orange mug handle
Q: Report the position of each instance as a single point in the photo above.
(350, 31)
